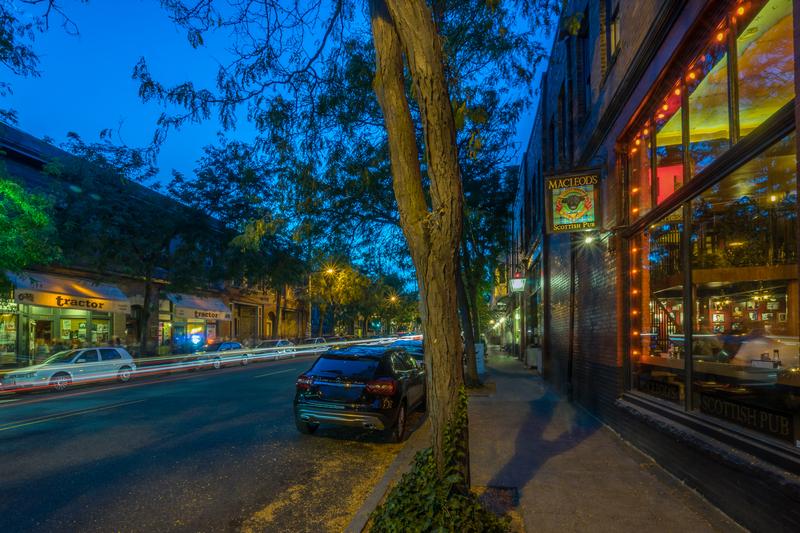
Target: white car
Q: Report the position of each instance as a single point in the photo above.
(274, 349)
(62, 369)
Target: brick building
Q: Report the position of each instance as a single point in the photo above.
(656, 222)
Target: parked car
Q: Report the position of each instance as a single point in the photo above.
(373, 387)
(274, 348)
(334, 340)
(62, 369)
(217, 354)
(314, 345)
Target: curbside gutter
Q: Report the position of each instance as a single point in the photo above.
(401, 464)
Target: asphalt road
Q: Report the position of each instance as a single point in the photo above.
(201, 451)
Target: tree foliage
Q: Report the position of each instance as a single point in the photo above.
(27, 234)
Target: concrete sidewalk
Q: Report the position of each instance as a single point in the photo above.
(571, 472)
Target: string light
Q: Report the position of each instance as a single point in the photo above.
(665, 107)
(720, 36)
(634, 271)
(661, 115)
(646, 131)
(740, 11)
(638, 142)
(635, 190)
(677, 92)
(635, 210)
(635, 291)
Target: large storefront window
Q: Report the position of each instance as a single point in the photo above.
(765, 61)
(656, 309)
(746, 354)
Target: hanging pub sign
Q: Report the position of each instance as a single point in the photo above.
(572, 202)
(517, 283)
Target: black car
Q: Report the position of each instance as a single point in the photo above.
(373, 387)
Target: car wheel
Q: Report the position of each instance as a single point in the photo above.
(124, 374)
(305, 428)
(245, 359)
(216, 363)
(398, 432)
(60, 382)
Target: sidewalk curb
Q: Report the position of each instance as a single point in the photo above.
(401, 464)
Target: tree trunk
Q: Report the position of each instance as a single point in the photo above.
(276, 330)
(322, 311)
(433, 234)
(144, 318)
(471, 372)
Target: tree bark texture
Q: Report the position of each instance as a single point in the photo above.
(405, 28)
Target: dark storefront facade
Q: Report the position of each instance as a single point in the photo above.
(676, 319)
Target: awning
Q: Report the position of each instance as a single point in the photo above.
(48, 290)
(188, 306)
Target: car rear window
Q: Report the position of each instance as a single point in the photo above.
(353, 367)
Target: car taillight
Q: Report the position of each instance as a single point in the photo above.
(382, 387)
(304, 382)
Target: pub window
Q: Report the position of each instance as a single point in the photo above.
(640, 165)
(668, 145)
(765, 58)
(656, 309)
(745, 348)
(707, 86)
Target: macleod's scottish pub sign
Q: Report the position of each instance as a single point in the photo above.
(572, 202)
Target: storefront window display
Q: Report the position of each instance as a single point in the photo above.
(8, 339)
(656, 310)
(746, 353)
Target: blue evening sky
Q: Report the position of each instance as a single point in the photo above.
(86, 83)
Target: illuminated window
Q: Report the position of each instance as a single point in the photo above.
(639, 161)
(765, 62)
(669, 145)
(745, 348)
(707, 85)
(657, 332)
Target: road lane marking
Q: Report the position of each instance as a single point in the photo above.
(22, 423)
(9, 401)
(273, 373)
